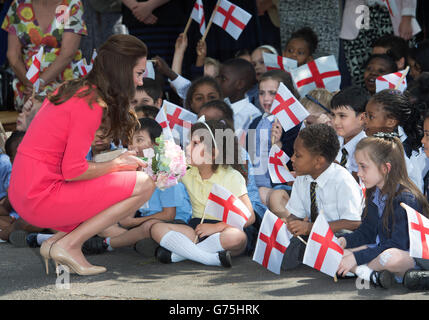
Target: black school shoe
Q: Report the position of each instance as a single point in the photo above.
(163, 255)
(382, 279)
(225, 258)
(94, 245)
(416, 279)
(18, 238)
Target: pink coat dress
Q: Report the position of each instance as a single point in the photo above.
(53, 151)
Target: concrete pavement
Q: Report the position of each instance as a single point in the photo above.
(129, 276)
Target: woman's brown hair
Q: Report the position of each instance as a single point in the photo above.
(390, 150)
(111, 80)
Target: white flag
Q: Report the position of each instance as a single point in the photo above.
(198, 15)
(272, 243)
(150, 71)
(323, 251)
(320, 73)
(33, 72)
(277, 166)
(418, 229)
(275, 62)
(390, 81)
(231, 18)
(223, 205)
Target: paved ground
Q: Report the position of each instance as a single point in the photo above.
(129, 276)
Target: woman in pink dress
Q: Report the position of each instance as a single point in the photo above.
(53, 186)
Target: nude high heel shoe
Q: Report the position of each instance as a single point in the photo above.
(61, 256)
(44, 252)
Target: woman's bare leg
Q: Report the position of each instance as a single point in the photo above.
(72, 242)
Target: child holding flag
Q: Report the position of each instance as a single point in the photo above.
(379, 247)
(209, 167)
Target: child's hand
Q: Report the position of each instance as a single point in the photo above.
(201, 48)
(164, 68)
(276, 133)
(347, 263)
(181, 43)
(300, 227)
(206, 229)
(342, 242)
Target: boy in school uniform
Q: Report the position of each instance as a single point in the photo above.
(348, 107)
(321, 187)
(236, 77)
(150, 93)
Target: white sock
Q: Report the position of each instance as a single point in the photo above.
(363, 272)
(181, 245)
(210, 244)
(42, 237)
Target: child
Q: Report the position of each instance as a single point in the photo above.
(202, 90)
(380, 245)
(146, 111)
(348, 107)
(317, 102)
(301, 46)
(259, 140)
(150, 93)
(209, 166)
(171, 204)
(394, 46)
(391, 111)
(321, 187)
(235, 78)
(377, 65)
(101, 143)
(217, 110)
(418, 59)
(257, 59)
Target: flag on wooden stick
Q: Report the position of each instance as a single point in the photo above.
(33, 73)
(391, 81)
(287, 108)
(275, 62)
(323, 251)
(272, 243)
(277, 160)
(231, 18)
(197, 14)
(418, 228)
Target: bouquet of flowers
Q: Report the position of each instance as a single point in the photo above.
(166, 163)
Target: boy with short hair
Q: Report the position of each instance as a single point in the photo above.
(236, 77)
(321, 187)
(146, 111)
(348, 107)
(150, 93)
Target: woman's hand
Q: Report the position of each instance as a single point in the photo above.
(128, 162)
(405, 28)
(142, 11)
(347, 263)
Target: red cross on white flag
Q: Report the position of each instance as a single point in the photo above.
(84, 69)
(320, 73)
(198, 15)
(150, 71)
(223, 205)
(177, 119)
(418, 229)
(273, 240)
(161, 118)
(390, 81)
(287, 108)
(33, 72)
(231, 18)
(277, 166)
(275, 62)
(323, 251)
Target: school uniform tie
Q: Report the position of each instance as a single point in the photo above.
(344, 157)
(313, 209)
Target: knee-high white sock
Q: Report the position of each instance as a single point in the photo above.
(181, 245)
(363, 272)
(211, 244)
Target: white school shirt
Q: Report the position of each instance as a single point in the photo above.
(338, 196)
(181, 85)
(350, 146)
(244, 113)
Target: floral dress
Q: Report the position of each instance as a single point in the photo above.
(21, 21)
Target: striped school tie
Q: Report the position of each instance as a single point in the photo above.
(314, 210)
(344, 157)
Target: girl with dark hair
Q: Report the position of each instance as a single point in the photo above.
(202, 90)
(418, 59)
(377, 65)
(52, 184)
(301, 46)
(210, 164)
(379, 247)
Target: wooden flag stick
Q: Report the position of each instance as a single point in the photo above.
(187, 25)
(402, 77)
(211, 21)
(201, 222)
